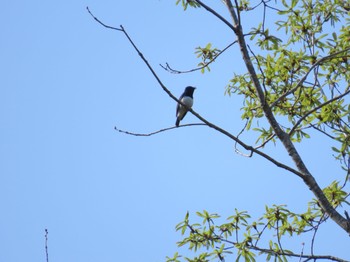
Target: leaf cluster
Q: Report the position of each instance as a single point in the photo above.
(207, 54)
(247, 238)
(186, 3)
(303, 66)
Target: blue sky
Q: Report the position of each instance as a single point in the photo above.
(105, 196)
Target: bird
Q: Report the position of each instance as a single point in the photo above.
(187, 99)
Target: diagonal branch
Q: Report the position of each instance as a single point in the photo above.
(211, 125)
(210, 10)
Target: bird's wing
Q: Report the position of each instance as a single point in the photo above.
(179, 105)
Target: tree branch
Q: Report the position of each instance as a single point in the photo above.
(310, 257)
(97, 20)
(314, 110)
(302, 80)
(281, 252)
(308, 179)
(156, 132)
(210, 10)
(287, 254)
(174, 71)
(46, 245)
(211, 125)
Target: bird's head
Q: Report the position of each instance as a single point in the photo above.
(190, 90)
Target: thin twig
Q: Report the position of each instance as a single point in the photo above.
(322, 131)
(236, 149)
(302, 251)
(347, 215)
(315, 232)
(238, 13)
(279, 237)
(260, 69)
(107, 26)
(174, 71)
(264, 17)
(46, 246)
(155, 132)
(257, 147)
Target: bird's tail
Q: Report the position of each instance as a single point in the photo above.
(177, 121)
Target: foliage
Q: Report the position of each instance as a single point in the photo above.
(186, 3)
(302, 65)
(207, 54)
(252, 238)
(303, 72)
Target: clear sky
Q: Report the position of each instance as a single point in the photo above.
(104, 196)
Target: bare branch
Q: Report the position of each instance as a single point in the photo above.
(264, 16)
(46, 246)
(347, 215)
(302, 252)
(174, 71)
(156, 132)
(238, 13)
(322, 131)
(322, 219)
(279, 237)
(107, 26)
(236, 149)
(260, 68)
(211, 125)
(216, 14)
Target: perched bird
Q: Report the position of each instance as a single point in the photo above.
(187, 99)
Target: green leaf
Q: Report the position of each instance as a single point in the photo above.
(294, 3)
